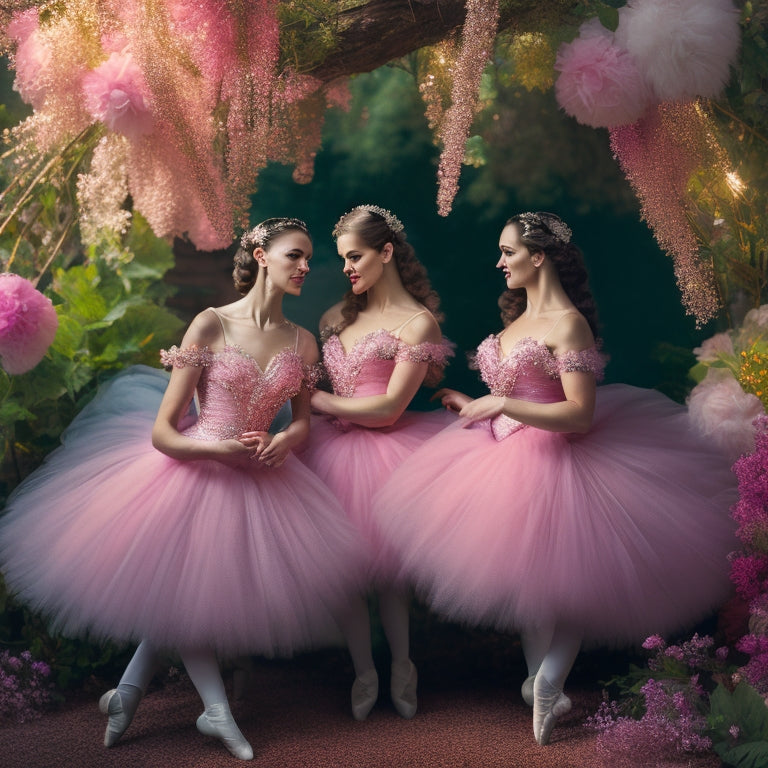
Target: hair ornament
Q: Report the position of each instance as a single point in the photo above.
(394, 224)
(549, 221)
(254, 238)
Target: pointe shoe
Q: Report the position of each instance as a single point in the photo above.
(365, 691)
(217, 721)
(120, 707)
(526, 690)
(549, 704)
(402, 688)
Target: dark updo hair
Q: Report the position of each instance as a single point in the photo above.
(377, 227)
(547, 233)
(261, 236)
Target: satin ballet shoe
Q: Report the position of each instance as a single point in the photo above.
(217, 721)
(120, 706)
(549, 704)
(402, 688)
(365, 691)
(526, 690)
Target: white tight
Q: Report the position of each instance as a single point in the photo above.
(356, 626)
(552, 651)
(201, 665)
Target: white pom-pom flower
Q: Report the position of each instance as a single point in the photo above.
(683, 47)
(723, 412)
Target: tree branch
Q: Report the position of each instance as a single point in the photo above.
(379, 31)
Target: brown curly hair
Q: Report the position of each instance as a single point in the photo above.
(261, 236)
(536, 233)
(375, 232)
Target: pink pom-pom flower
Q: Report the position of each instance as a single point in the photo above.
(599, 83)
(116, 93)
(28, 324)
(683, 47)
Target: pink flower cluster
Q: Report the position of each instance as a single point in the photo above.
(673, 723)
(25, 689)
(28, 324)
(749, 568)
(195, 90)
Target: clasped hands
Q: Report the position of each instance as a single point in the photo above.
(258, 446)
(486, 407)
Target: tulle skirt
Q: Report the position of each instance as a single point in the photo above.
(355, 462)
(622, 532)
(112, 539)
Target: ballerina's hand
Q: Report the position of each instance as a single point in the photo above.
(486, 407)
(255, 442)
(451, 399)
(275, 451)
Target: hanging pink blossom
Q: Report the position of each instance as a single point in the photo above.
(658, 155)
(477, 38)
(116, 94)
(684, 47)
(723, 412)
(599, 83)
(28, 324)
(32, 58)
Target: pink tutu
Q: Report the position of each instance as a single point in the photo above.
(356, 461)
(624, 531)
(113, 539)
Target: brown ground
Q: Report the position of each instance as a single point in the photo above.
(296, 715)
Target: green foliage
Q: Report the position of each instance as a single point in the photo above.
(110, 316)
(746, 746)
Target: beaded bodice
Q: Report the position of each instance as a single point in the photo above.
(530, 371)
(367, 367)
(235, 394)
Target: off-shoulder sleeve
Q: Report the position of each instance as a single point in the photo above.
(426, 352)
(436, 355)
(195, 356)
(590, 360)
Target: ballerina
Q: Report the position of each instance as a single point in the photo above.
(209, 539)
(569, 512)
(380, 345)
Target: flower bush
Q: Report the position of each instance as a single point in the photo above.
(25, 687)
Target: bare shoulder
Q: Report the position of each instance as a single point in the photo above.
(205, 329)
(421, 328)
(307, 346)
(332, 317)
(572, 333)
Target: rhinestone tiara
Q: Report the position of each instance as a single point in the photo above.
(394, 224)
(552, 222)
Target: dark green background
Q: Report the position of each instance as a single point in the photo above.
(381, 152)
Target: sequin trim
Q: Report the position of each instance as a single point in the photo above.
(343, 368)
(193, 355)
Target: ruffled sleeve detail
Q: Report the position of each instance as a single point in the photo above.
(437, 355)
(590, 360)
(194, 356)
(426, 352)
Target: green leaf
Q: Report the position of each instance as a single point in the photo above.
(11, 412)
(69, 336)
(79, 288)
(609, 17)
(752, 755)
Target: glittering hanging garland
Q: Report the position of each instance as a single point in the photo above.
(658, 154)
(477, 40)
